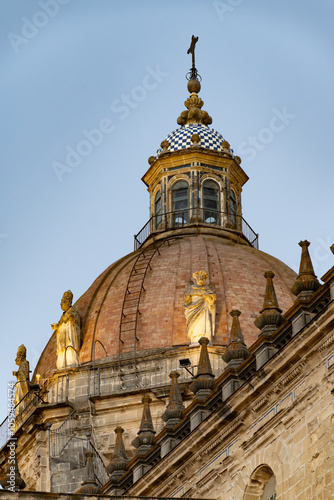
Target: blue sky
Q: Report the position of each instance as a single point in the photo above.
(73, 66)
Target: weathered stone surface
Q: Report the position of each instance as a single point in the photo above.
(282, 428)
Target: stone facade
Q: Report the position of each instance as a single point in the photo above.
(275, 425)
(281, 418)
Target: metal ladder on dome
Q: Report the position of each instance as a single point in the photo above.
(130, 309)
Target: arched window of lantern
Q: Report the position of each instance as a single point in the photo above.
(157, 209)
(233, 208)
(262, 485)
(180, 202)
(211, 201)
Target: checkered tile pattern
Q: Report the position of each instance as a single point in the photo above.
(181, 138)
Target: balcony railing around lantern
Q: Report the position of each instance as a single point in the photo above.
(193, 216)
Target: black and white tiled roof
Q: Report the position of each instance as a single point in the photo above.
(181, 138)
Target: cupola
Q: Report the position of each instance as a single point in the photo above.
(195, 179)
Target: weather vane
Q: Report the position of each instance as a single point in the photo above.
(193, 73)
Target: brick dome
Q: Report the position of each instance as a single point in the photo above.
(237, 270)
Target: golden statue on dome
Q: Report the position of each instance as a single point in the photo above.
(200, 308)
(68, 334)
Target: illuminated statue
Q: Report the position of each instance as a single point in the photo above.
(200, 308)
(22, 374)
(68, 334)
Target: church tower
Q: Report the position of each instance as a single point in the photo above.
(185, 368)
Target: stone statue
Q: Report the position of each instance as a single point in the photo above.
(68, 334)
(200, 308)
(22, 374)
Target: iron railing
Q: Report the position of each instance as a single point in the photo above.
(190, 216)
(60, 438)
(145, 374)
(65, 443)
(21, 412)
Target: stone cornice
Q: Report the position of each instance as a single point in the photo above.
(196, 154)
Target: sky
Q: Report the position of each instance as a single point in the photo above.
(90, 88)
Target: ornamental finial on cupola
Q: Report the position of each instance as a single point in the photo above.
(194, 113)
(270, 316)
(307, 282)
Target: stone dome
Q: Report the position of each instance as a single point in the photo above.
(236, 269)
(181, 138)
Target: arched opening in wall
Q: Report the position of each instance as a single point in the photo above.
(211, 202)
(180, 203)
(157, 210)
(233, 208)
(262, 484)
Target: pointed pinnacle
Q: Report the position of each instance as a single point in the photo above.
(175, 408)
(236, 333)
(236, 350)
(145, 436)
(146, 421)
(270, 316)
(270, 299)
(204, 380)
(119, 460)
(306, 266)
(306, 282)
(204, 365)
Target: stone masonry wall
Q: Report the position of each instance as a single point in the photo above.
(282, 420)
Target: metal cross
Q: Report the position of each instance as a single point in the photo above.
(191, 51)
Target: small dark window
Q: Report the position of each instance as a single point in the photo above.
(157, 210)
(180, 202)
(233, 208)
(211, 202)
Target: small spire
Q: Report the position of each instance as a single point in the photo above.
(307, 282)
(175, 409)
(270, 316)
(204, 380)
(118, 463)
(236, 350)
(89, 484)
(145, 436)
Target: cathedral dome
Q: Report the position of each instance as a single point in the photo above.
(137, 306)
(237, 271)
(180, 138)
